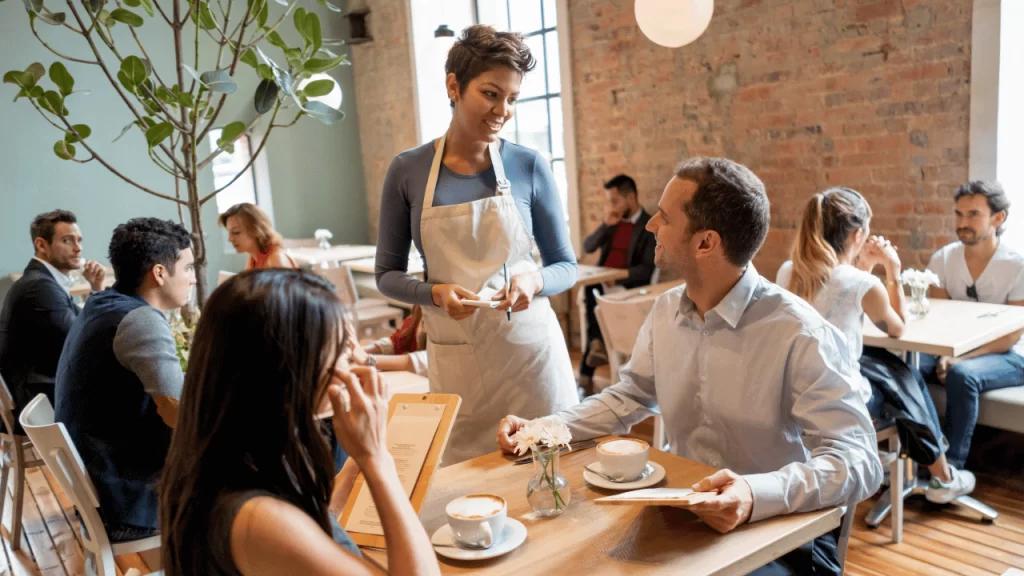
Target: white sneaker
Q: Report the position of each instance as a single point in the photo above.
(962, 484)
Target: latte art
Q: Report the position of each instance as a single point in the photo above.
(623, 447)
(475, 506)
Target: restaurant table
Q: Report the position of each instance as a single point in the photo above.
(369, 266)
(590, 538)
(81, 287)
(951, 328)
(310, 256)
(590, 276)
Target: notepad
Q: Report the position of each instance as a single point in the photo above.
(481, 303)
(681, 497)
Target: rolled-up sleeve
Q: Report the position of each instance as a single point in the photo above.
(835, 427)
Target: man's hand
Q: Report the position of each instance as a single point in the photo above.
(731, 507)
(94, 273)
(612, 216)
(943, 365)
(508, 426)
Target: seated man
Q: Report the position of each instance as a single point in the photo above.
(624, 242)
(39, 310)
(747, 376)
(978, 268)
(119, 379)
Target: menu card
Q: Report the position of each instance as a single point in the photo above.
(410, 433)
(681, 497)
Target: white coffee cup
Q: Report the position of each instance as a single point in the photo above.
(477, 520)
(623, 459)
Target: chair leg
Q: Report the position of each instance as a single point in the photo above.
(19, 494)
(896, 481)
(5, 470)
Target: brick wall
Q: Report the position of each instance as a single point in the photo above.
(385, 96)
(870, 94)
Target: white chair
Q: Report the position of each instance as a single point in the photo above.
(620, 322)
(899, 471)
(14, 448)
(52, 442)
(367, 313)
(844, 535)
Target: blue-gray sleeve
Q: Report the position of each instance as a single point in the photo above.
(394, 234)
(144, 344)
(551, 232)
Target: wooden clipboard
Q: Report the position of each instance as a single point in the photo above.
(451, 403)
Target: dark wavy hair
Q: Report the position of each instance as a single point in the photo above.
(141, 243)
(260, 363)
(994, 195)
(481, 48)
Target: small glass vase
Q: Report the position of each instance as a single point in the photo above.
(548, 491)
(918, 305)
(325, 244)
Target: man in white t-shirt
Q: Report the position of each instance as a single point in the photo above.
(978, 268)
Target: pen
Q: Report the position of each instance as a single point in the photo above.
(508, 312)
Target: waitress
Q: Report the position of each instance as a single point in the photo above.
(474, 204)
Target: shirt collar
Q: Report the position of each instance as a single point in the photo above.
(635, 217)
(731, 307)
(64, 280)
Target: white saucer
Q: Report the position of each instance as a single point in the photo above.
(656, 476)
(512, 537)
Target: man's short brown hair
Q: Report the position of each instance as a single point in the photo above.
(45, 225)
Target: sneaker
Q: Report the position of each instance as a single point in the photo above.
(586, 387)
(962, 484)
(598, 356)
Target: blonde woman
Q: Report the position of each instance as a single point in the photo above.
(831, 269)
(250, 232)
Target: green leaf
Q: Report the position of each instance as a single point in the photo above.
(329, 6)
(259, 8)
(147, 5)
(315, 32)
(319, 88)
(125, 130)
(324, 113)
(219, 81)
(23, 79)
(126, 81)
(53, 102)
(33, 6)
(95, 6)
(63, 150)
(185, 99)
(249, 57)
(104, 18)
(132, 3)
(265, 72)
(135, 69)
(159, 133)
(192, 72)
(36, 70)
(266, 96)
(151, 107)
(317, 65)
(166, 96)
(299, 20)
(294, 58)
(83, 133)
(127, 17)
(203, 17)
(147, 122)
(62, 78)
(229, 133)
(36, 92)
(53, 18)
(275, 40)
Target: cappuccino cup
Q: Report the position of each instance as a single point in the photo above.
(477, 520)
(623, 459)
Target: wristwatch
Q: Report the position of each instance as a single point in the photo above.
(371, 360)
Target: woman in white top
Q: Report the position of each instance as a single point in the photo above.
(831, 269)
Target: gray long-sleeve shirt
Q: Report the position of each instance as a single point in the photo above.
(401, 204)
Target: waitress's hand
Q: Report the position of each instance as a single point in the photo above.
(450, 297)
(360, 401)
(520, 291)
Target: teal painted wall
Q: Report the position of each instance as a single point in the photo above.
(315, 170)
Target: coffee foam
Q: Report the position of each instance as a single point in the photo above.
(475, 506)
(622, 447)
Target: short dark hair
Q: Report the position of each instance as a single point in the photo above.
(481, 48)
(730, 199)
(45, 225)
(141, 243)
(624, 184)
(994, 195)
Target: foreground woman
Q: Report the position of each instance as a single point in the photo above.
(248, 488)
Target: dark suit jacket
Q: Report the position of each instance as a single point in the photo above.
(641, 250)
(34, 322)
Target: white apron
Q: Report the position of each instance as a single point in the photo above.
(497, 366)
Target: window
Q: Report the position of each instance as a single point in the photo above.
(226, 166)
(538, 119)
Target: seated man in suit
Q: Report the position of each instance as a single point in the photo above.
(39, 310)
(748, 377)
(624, 242)
(119, 380)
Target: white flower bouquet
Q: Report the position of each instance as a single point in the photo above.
(921, 279)
(183, 335)
(324, 236)
(548, 491)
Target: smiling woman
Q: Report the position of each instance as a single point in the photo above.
(473, 204)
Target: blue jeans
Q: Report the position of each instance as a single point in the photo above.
(965, 382)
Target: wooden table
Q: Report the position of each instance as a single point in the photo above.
(590, 538)
(951, 328)
(402, 382)
(339, 253)
(369, 266)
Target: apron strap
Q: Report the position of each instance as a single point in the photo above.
(504, 186)
(435, 169)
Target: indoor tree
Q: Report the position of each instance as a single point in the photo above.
(175, 109)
